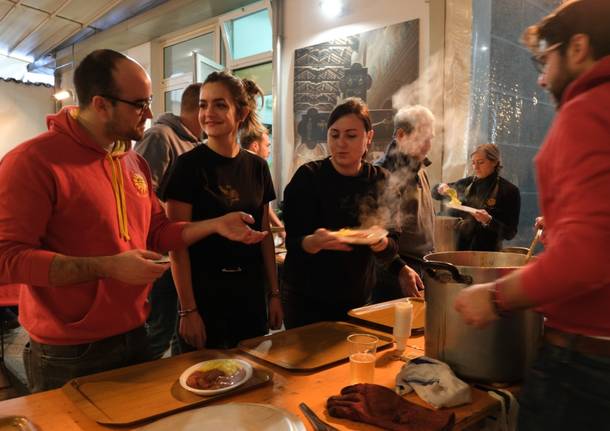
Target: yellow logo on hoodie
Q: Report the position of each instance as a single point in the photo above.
(140, 183)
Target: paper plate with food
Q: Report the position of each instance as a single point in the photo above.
(215, 376)
(368, 236)
(464, 208)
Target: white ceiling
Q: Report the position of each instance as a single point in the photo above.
(33, 30)
(30, 29)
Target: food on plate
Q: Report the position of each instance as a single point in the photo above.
(345, 232)
(452, 193)
(216, 374)
(360, 236)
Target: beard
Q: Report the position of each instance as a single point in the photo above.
(561, 81)
(119, 130)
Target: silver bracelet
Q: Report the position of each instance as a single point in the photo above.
(186, 311)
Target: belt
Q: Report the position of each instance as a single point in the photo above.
(231, 269)
(577, 343)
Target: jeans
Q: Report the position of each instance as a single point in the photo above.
(566, 390)
(51, 366)
(163, 317)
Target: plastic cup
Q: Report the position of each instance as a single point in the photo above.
(363, 348)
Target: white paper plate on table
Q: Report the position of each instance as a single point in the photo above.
(232, 417)
(360, 236)
(243, 364)
(464, 208)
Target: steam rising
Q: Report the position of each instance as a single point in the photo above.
(393, 209)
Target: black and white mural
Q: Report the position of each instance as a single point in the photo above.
(371, 65)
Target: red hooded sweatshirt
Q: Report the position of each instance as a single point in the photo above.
(571, 279)
(61, 192)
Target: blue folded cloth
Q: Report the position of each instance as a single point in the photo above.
(434, 382)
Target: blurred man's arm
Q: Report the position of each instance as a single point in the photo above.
(131, 267)
(481, 304)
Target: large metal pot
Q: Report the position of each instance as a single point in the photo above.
(499, 353)
(445, 233)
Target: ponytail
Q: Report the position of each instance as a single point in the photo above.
(252, 121)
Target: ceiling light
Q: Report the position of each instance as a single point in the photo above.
(62, 95)
(331, 8)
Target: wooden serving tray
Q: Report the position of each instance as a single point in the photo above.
(383, 313)
(309, 347)
(130, 395)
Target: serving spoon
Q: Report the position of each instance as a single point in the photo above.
(528, 256)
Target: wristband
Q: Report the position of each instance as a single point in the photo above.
(274, 294)
(494, 297)
(186, 311)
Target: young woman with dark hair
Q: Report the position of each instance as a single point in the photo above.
(221, 283)
(323, 276)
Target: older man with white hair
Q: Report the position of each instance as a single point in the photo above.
(405, 158)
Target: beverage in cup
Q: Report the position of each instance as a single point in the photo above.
(363, 348)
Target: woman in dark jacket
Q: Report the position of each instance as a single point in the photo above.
(498, 202)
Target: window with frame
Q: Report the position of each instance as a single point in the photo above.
(245, 50)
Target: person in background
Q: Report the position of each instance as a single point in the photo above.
(568, 385)
(257, 142)
(221, 283)
(78, 219)
(497, 200)
(170, 136)
(405, 158)
(323, 276)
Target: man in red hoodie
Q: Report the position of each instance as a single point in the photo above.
(78, 220)
(568, 387)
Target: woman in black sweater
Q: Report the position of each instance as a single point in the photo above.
(323, 276)
(497, 200)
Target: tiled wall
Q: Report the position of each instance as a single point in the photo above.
(508, 107)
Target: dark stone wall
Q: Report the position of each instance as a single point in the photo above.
(517, 112)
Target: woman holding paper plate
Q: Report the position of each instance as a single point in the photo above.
(332, 244)
(496, 203)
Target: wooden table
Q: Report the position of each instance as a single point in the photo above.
(53, 411)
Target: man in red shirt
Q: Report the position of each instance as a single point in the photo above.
(78, 221)
(568, 387)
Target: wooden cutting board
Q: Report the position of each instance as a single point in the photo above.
(127, 396)
(309, 347)
(383, 313)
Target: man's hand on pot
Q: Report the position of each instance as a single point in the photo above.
(475, 305)
(410, 282)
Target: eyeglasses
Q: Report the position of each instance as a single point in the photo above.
(539, 60)
(141, 105)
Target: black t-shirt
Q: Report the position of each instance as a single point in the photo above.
(216, 185)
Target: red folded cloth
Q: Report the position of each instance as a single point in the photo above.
(382, 407)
